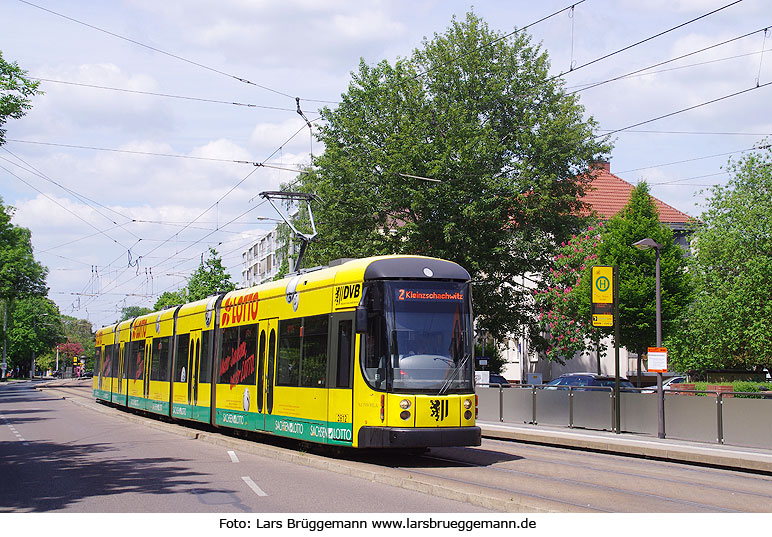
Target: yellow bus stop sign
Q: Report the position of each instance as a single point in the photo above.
(602, 285)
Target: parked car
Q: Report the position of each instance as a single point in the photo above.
(666, 384)
(497, 380)
(586, 381)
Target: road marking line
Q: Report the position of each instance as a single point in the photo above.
(233, 456)
(251, 484)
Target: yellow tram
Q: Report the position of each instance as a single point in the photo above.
(373, 352)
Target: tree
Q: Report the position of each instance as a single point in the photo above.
(492, 353)
(20, 275)
(16, 91)
(171, 298)
(637, 287)
(78, 331)
(70, 350)
(129, 312)
(210, 278)
(500, 141)
(728, 325)
(565, 297)
(34, 328)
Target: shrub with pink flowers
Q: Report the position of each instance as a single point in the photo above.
(563, 317)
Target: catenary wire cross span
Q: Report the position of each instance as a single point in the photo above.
(653, 66)
(167, 95)
(609, 133)
(155, 49)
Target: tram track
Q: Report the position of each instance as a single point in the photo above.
(653, 486)
(616, 491)
(692, 473)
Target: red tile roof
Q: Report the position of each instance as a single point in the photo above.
(608, 194)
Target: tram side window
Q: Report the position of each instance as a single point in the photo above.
(238, 358)
(302, 356)
(161, 359)
(181, 364)
(313, 366)
(288, 362)
(136, 361)
(98, 358)
(107, 359)
(205, 365)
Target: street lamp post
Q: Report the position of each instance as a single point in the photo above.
(646, 244)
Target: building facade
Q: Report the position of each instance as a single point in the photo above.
(262, 259)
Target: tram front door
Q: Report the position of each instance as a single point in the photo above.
(340, 371)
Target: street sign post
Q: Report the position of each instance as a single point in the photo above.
(657, 362)
(605, 313)
(603, 296)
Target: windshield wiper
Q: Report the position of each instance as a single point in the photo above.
(461, 366)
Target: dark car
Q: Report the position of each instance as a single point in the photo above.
(497, 380)
(585, 381)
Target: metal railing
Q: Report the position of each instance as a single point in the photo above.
(740, 418)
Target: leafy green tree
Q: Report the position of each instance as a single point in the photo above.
(16, 92)
(502, 146)
(78, 330)
(637, 287)
(129, 312)
(496, 361)
(728, 325)
(20, 275)
(565, 297)
(34, 328)
(171, 298)
(210, 278)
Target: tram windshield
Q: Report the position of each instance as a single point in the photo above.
(419, 337)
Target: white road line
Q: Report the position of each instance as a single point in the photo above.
(233, 456)
(251, 484)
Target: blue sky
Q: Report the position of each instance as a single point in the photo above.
(119, 228)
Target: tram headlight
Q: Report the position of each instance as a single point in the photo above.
(467, 404)
(404, 404)
(405, 414)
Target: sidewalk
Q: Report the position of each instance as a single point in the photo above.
(739, 457)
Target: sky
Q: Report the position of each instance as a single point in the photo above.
(139, 156)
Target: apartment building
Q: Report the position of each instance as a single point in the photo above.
(262, 259)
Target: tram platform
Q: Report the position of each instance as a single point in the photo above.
(640, 445)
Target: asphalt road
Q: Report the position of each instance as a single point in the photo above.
(76, 455)
(61, 457)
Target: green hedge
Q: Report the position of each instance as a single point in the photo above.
(737, 386)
